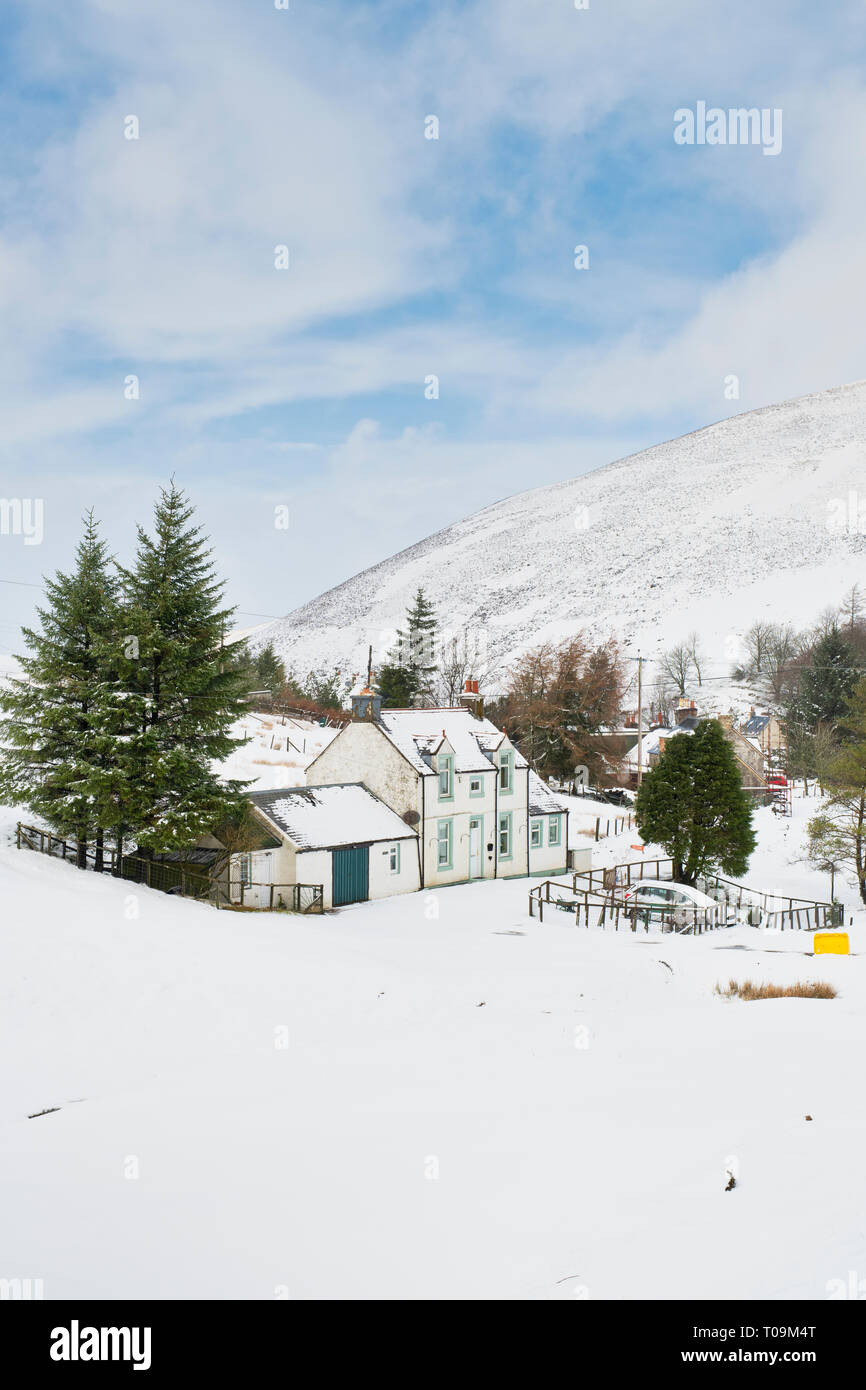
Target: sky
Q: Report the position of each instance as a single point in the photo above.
(149, 265)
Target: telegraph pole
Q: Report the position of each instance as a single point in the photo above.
(639, 722)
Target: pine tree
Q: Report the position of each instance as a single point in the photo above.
(54, 730)
(185, 684)
(398, 685)
(826, 683)
(269, 670)
(693, 804)
(415, 655)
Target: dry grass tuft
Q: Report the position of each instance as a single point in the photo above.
(812, 989)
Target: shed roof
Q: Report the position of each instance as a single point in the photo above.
(328, 817)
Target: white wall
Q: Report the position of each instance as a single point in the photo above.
(547, 858)
(362, 753)
(465, 807)
(316, 866)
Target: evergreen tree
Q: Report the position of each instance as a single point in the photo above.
(398, 685)
(269, 670)
(826, 683)
(693, 804)
(414, 655)
(185, 684)
(57, 741)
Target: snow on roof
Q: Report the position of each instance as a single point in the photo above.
(542, 802)
(327, 817)
(651, 742)
(417, 731)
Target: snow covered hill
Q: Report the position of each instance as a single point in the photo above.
(754, 517)
(424, 1097)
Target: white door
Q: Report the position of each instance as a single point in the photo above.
(475, 848)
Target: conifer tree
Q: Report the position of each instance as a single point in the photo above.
(407, 676)
(826, 683)
(185, 683)
(693, 804)
(54, 731)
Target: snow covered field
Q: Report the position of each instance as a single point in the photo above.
(426, 1097)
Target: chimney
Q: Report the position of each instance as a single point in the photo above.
(366, 704)
(470, 699)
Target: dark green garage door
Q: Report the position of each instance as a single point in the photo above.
(351, 875)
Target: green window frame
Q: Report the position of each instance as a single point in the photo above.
(394, 858)
(444, 837)
(476, 784)
(506, 772)
(505, 836)
(446, 777)
(536, 834)
(554, 831)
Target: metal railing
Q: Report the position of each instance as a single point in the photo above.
(595, 908)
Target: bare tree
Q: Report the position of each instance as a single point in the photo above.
(462, 657)
(852, 606)
(677, 665)
(693, 646)
(781, 651)
(757, 641)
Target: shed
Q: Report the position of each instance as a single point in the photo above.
(340, 836)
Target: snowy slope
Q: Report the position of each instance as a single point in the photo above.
(425, 1097)
(707, 532)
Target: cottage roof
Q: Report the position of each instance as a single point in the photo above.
(328, 817)
(542, 802)
(417, 733)
(755, 724)
(651, 741)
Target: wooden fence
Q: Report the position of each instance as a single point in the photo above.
(176, 878)
(597, 898)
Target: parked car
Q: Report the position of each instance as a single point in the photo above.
(617, 796)
(676, 904)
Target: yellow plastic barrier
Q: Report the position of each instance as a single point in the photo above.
(833, 943)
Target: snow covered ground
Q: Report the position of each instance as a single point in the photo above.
(278, 751)
(426, 1097)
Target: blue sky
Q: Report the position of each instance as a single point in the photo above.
(409, 257)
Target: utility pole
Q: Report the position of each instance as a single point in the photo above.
(639, 722)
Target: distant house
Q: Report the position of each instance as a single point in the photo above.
(767, 731)
(750, 761)
(459, 784)
(338, 835)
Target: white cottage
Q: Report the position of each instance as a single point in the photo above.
(478, 808)
(338, 835)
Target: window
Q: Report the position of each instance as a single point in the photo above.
(245, 868)
(506, 771)
(394, 859)
(554, 831)
(446, 777)
(475, 786)
(505, 835)
(536, 834)
(443, 857)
